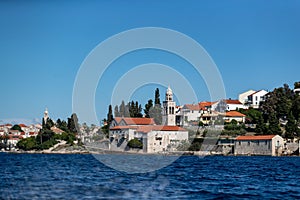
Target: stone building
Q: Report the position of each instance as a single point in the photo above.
(155, 138)
(271, 145)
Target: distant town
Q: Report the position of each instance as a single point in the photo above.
(256, 123)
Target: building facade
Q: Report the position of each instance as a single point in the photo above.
(169, 115)
(271, 145)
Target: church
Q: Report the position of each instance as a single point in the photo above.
(155, 138)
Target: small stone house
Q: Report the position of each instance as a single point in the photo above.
(271, 145)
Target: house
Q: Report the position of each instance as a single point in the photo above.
(243, 97)
(256, 98)
(56, 130)
(227, 105)
(234, 115)
(155, 138)
(189, 113)
(209, 118)
(271, 145)
(24, 128)
(129, 121)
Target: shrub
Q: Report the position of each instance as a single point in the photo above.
(135, 143)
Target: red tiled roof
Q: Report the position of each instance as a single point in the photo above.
(194, 107)
(230, 101)
(135, 121)
(56, 130)
(22, 125)
(206, 103)
(257, 137)
(32, 133)
(146, 129)
(234, 114)
(123, 127)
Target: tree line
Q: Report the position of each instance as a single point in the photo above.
(47, 138)
(278, 114)
(134, 109)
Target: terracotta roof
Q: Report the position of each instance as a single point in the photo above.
(230, 101)
(234, 114)
(257, 137)
(32, 133)
(194, 107)
(123, 127)
(146, 129)
(206, 103)
(56, 130)
(135, 121)
(22, 125)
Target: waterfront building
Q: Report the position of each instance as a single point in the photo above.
(271, 145)
(155, 138)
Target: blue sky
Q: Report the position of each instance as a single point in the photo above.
(255, 44)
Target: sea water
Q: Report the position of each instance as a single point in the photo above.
(57, 176)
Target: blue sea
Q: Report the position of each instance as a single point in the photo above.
(50, 176)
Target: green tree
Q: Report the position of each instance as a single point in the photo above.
(261, 127)
(139, 109)
(27, 144)
(17, 127)
(291, 127)
(110, 116)
(297, 85)
(116, 111)
(135, 143)
(296, 108)
(274, 127)
(122, 109)
(63, 126)
(157, 97)
(73, 123)
(148, 106)
(156, 114)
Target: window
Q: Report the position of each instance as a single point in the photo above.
(159, 143)
(248, 143)
(239, 142)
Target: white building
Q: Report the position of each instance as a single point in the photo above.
(189, 113)
(169, 115)
(259, 145)
(243, 98)
(155, 138)
(227, 105)
(256, 98)
(234, 115)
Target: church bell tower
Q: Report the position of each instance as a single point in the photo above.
(168, 118)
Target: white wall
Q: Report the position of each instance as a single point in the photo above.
(243, 98)
(158, 141)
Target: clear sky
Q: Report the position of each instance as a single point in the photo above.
(254, 43)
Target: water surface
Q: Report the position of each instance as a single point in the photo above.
(41, 176)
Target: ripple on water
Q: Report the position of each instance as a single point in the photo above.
(38, 176)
